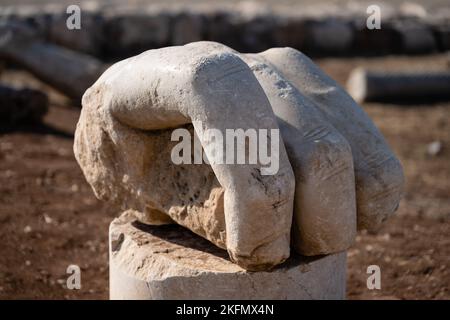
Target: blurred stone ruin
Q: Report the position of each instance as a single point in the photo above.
(113, 32)
(21, 106)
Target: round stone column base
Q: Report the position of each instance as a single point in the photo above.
(170, 262)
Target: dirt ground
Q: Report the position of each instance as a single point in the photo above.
(49, 217)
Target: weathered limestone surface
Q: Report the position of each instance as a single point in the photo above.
(378, 173)
(169, 262)
(337, 172)
(119, 140)
(69, 71)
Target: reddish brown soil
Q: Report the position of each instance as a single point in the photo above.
(49, 217)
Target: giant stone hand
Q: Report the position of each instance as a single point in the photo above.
(336, 172)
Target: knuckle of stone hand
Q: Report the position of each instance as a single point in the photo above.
(330, 155)
(379, 189)
(216, 67)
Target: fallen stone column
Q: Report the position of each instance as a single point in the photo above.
(235, 205)
(169, 262)
(21, 106)
(366, 85)
(414, 37)
(69, 71)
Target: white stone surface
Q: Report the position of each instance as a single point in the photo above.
(336, 171)
(170, 262)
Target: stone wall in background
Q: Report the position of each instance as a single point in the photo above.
(112, 33)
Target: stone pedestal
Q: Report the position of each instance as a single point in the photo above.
(170, 262)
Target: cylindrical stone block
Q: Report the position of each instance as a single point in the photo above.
(366, 85)
(170, 262)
